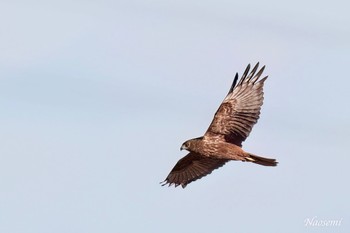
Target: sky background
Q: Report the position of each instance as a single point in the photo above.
(97, 97)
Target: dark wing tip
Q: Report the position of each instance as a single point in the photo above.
(257, 65)
(253, 71)
(166, 182)
(233, 83)
(246, 71)
(263, 79)
(247, 76)
(244, 74)
(257, 76)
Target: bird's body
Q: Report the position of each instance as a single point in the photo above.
(215, 149)
(222, 142)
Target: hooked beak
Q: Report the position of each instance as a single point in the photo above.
(183, 147)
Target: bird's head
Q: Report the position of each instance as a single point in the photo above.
(191, 144)
(185, 145)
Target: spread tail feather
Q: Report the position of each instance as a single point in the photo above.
(261, 160)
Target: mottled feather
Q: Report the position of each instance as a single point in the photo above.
(240, 109)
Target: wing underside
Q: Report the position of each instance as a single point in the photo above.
(240, 109)
(192, 167)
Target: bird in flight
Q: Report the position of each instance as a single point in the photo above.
(222, 142)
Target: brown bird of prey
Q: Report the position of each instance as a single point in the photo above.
(231, 125)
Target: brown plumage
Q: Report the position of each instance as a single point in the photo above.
(222, 142)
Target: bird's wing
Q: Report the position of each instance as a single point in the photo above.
(240, 109)
(192, 167)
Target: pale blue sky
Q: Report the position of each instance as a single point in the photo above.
(97, 97)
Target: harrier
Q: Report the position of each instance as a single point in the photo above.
(222, 142)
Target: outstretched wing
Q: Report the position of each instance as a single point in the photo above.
(240, 110)
(192, 167)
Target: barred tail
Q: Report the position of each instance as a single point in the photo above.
(261, 160)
